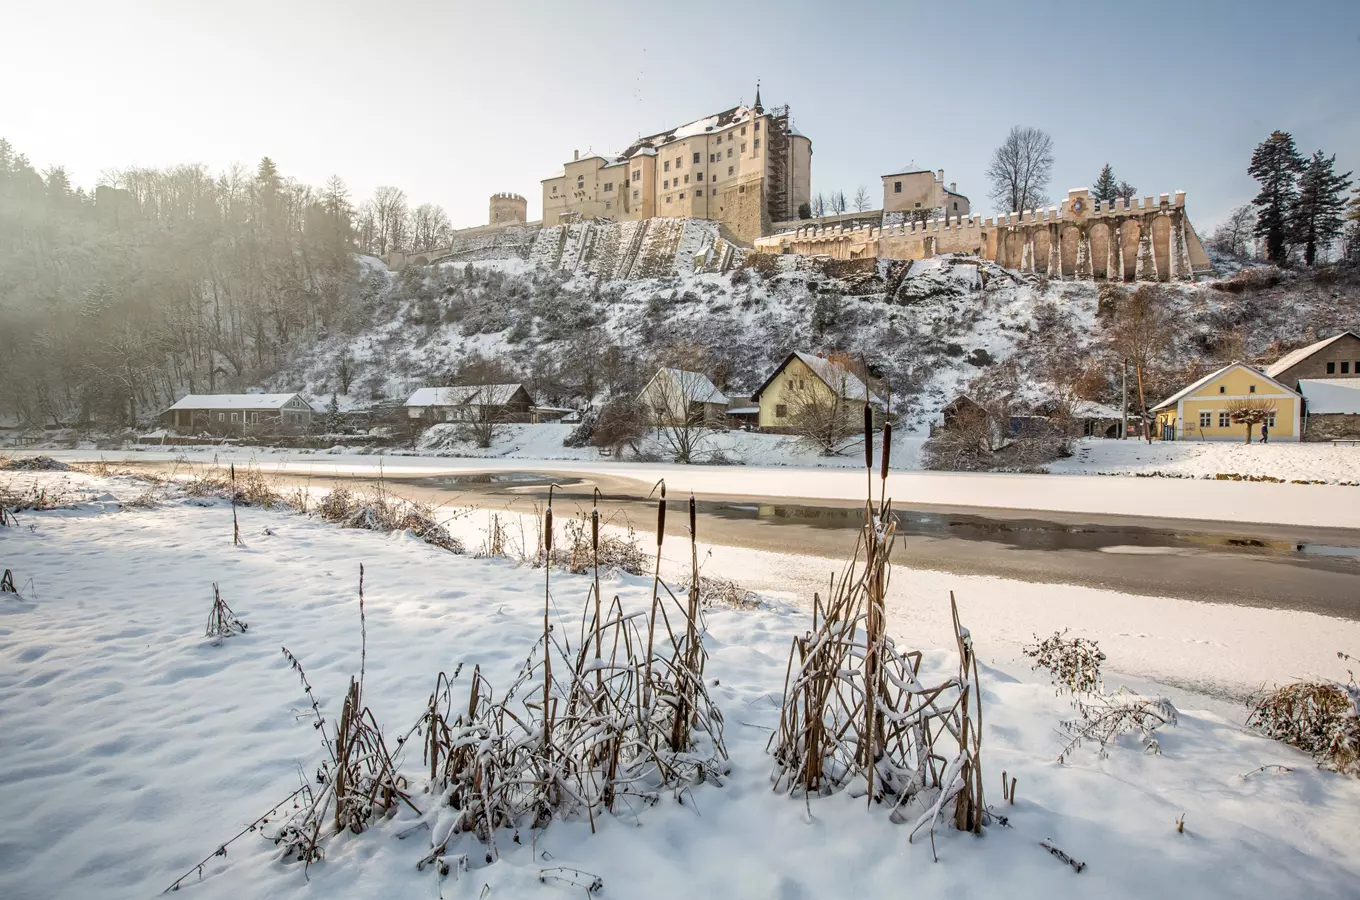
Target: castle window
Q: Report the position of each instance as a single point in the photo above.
(698, 176)
(609, 204)
(719, 140)
(666, 184)
(667, 166)
(956, 204)
(635, 195)
(637, 174)
(696, 159)
(608, 186)
(743, 146)
(554, 189)
(897, 187)
(686, 179)
(682, 195)
(757, 144)
(729, 152)
(742, 189)
(712, 157)
(668, 198)
(743, 131)
(757, 125)
(729, 171)
(715, 192)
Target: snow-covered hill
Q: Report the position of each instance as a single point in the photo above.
(572, 314)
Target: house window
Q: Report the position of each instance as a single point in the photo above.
(667, 166)
(1345, 368)
(221, 417)
(757, 144)
(780, 410)
(254, 418)
(729, 171)
(1223, 389)
(696, 159)
(233, 418)
(1252, 389)
(1206, 419)
(1331, 368)
(897, 187)
(1224, 419)
(1271, 421)
(918, 204)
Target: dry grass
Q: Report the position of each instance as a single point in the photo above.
(1320, 718)
(222, 622)
(379, 510)
(33, 464)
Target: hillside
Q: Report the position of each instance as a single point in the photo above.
(554, 312)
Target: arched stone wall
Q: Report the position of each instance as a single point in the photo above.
(1071, 237)
(1100, 249)
(1041, 246)
(1132, 232)
(1161, 246)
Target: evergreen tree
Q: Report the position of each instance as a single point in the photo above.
(1105, 186)
(1275, 164)
(1318, 214)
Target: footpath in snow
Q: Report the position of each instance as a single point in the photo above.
(132, 748)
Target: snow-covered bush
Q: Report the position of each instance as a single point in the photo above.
(1103, 717)
(1320, 718)
(1073, 664)
(380, 511)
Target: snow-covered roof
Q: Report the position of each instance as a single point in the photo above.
(1331, 395)
(235, 401)
(463, 394)
(835, 375)
(727, 117)
(695, 386)
(1191, 388)
(1284, 363)
(744, 411)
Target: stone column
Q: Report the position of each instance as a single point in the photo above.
(1146, 267)
(1054, 253)
(1114, 256)
(1027, 254)
(1084, 267)
(1180, 250)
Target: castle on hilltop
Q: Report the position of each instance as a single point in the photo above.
(745, 167)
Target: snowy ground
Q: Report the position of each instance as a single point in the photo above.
(132, 749)
(1209, 459)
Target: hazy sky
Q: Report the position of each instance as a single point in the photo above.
(452, 101)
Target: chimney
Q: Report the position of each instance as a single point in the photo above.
(940, 177)
(576, 155)
(953, 187)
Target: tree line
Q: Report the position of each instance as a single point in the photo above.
(117, 300)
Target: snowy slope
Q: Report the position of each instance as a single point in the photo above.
(132, 748)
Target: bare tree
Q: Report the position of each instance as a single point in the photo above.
(682, 407)
(430, 227)
(486, 411)
(1234, 233)
(1021, 168)
(862, 200)
(1125, 191)
(1144, 326)
(837, 202)
(828, 411)
(1251, 411)
(389, 215)
(818, 205)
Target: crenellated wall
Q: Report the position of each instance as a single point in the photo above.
(1139, 240)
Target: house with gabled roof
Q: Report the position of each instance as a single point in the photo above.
(1335, 357)
(1203, 409)
(237, 412)
(679, 397)
(805, 379)
(510, 402)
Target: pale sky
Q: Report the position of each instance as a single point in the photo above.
(451, 101)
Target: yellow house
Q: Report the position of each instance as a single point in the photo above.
(809, 386)
(1203, 410)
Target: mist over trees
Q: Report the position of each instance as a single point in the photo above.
(160, 281)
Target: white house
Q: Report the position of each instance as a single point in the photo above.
(471, 402)
(219, 411)
(678, 396)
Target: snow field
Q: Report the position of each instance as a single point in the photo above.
(132, 748)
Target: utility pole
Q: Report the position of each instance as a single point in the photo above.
(1124, 402)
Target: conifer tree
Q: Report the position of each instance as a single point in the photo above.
(1105, 186)
(1318, 214)
(1276, 165)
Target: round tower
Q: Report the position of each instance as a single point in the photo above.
(508, 209)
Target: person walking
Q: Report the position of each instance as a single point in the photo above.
(1265, 433)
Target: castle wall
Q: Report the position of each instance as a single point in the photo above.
(1143, 240)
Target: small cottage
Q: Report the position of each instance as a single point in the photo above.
(1205, 410)
(239, 412)
(805, 380)
(1335, 357)
(471, 403)
(678, 397)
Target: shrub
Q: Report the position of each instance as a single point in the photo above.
(1320, 718)
(1073, 664)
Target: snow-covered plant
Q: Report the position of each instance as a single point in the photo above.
(380, 510)
(1321, 718)
(1073, 664)
(222, 622)
(1103, 717)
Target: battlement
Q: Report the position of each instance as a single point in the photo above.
(506, 195)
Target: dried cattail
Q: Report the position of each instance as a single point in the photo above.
(868, 436)
(693, 535)
(887, 449)
(661, 514)
(547, 530)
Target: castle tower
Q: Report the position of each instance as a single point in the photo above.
(508, 209)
